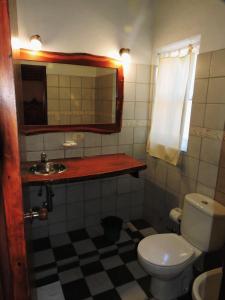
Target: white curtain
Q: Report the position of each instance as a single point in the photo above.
(166, 128)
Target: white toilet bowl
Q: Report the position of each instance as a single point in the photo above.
(168, 258)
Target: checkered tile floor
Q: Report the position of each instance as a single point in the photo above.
(84, 265)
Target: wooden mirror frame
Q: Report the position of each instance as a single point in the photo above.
(82, 59)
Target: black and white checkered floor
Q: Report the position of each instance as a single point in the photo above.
(81, 264)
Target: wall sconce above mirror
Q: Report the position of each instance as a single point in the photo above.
(70, 92)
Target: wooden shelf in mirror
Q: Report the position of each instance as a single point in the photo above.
(80, 169)
(103, 117)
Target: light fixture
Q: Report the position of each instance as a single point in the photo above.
(125, 55)
(35, 42)
(15, 42)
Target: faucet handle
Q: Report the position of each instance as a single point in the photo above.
(43, 157)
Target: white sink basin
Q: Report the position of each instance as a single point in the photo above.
(207, 285)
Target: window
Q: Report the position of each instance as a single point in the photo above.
(188, 100)
(172, 104)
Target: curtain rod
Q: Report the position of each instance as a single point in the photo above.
(190, 47)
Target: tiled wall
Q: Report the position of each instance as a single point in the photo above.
(166, 185)
(220, 186)
(84, 204)
(71, 99)
(105, 99)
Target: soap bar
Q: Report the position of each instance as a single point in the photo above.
(69, 144)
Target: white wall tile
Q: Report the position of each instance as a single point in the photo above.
(141, 111)
(74, 224)
(40, 232)
(140, 151)
(75, 211)
(109, 150)
(207, 174)
(34, 142)
(74, 152)
(173, 181)
(128, 110)
(126, 136)
(92, 189)
(143, 73)
(33, 156)
(129, 91)
(203, 65)
(123, 201)
(137, 198)
(108, 204)
(92, 206)
(109, 187)
(110, 139)
(200, 90)
(127, 149)
(64, 93)
(53, 141)
(215, 116)
(187, 185)
(75, 81)
(57, 215)
(140, 135)
(59, 191)
(194, 144)
(52, 80)
(197, 114)
(216, 91)
(74, 192)
(136, 212)
(53, 93)
(92, 140)
(217, 67)
(92, 220)
(64, 81)
(161, 172)
(57, 228)
(130, 74)
(210, 150)
(205, 190)
(123, 185)
(142, 92)
(92, 151)
(54, 154)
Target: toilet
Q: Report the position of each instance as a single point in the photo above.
(169, 257)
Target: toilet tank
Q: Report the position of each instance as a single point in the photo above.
(203, 222)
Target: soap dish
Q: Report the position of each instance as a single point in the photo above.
(69, 144)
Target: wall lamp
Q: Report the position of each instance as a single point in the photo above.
(125, 55)
(35, 42)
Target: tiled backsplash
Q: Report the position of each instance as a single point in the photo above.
(84, 204)
(166, 185)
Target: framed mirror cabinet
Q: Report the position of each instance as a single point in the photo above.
(70, 92)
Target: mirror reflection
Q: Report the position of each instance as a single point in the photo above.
(65, 94)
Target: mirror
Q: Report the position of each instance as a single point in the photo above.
(70, 92)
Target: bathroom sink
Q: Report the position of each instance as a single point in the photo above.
(207, 285)
(47, 168)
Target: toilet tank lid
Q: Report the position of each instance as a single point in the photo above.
(206, 204)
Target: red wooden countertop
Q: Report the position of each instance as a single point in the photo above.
(79, 169)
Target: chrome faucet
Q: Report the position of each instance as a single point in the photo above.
(44, 157)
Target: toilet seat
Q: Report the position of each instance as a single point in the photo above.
(165, 255)
(165, 250)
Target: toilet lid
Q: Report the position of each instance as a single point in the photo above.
(165, 249)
